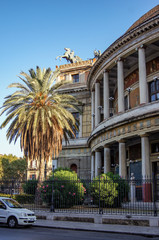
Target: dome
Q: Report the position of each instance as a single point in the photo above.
(150, 14)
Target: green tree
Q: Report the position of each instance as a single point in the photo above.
(122, 188)
(103, 189)
(39, 115)
(12, 168)
(68, 190)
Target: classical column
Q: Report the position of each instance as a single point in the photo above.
(106, 94)
(97, 103)
(92, 165)
(120, 79)
(98, 163)
(68, 77)
(142, 76)
(80, 126)
(122, 159)
(107, 167)
(93, 108)
(145, 154)
(58, 78)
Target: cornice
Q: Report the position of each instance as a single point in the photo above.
(74, 89)
(139, 113)
(77, 65)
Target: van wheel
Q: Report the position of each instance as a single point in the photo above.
(12, 222)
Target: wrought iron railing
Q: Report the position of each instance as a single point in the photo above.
(103, 196)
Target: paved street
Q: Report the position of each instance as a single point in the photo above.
(36, 233)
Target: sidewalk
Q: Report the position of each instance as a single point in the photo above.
(100, 227)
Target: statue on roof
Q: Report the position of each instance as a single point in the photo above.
(97, 53)
(69, 56)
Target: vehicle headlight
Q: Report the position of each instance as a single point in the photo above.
(24, 214)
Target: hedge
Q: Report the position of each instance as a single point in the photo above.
(21, 198)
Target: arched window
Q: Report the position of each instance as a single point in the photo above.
(73, 167)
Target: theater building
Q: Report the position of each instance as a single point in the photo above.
(124, 86)
(76, 155)
(119, 124)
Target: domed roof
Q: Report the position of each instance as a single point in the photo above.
(152, 13)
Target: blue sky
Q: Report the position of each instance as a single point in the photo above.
(35, 32)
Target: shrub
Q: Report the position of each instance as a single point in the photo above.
(30, 187)
(67, 189)
(104, 190)
(123, 188)
(21, 198)
(24, 198)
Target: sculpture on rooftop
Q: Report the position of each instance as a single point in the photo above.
(97, 53)
(69, 56)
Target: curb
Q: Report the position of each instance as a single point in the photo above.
(98, 230)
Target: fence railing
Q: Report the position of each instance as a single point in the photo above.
(103, 196)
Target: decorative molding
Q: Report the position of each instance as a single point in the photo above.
(147, 26)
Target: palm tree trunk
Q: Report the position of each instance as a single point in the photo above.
(38, 199)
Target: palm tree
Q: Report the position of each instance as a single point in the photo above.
(39, 115)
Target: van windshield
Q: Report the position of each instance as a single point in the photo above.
(12, 203)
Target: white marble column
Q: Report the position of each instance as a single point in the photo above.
(145, 153)
(93, 108)
(97, 103)
(106, 94)
(92, 165)
(80, 126)
(143, 88)
(122, 160)
(107, 167)
(68, 77)
(98, 163)
(120, 79)
(58, 79)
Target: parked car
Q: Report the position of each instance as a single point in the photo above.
(12, 213)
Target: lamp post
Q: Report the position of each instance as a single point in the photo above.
(52, 209)
(111, 112)
(129, 89)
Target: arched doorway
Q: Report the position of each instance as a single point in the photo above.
(73, 167)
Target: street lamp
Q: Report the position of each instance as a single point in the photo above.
(129, 89)
(52, 209)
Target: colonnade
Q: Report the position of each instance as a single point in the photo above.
(96, 159)
(95, 94)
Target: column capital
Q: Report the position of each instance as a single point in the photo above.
(106, 71)
(107, 146)
(97, 81)
(142, 46)
(97, 150)
(121, 140)
(144, 135)
(120, 59)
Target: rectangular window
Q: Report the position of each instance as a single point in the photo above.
(75, 78)
(155, 147)
(154, 90)
(33, 177)
(126, 102)
(76, 116)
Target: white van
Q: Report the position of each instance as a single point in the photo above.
(12, 213)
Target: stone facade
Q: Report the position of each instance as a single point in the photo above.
(124, 82)
(119, 125)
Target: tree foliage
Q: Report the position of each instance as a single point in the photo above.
(12, 167)
(67, 189)
(122, 188)
(39, 115)
(104, 190)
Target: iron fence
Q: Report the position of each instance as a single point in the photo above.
(103, 196)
